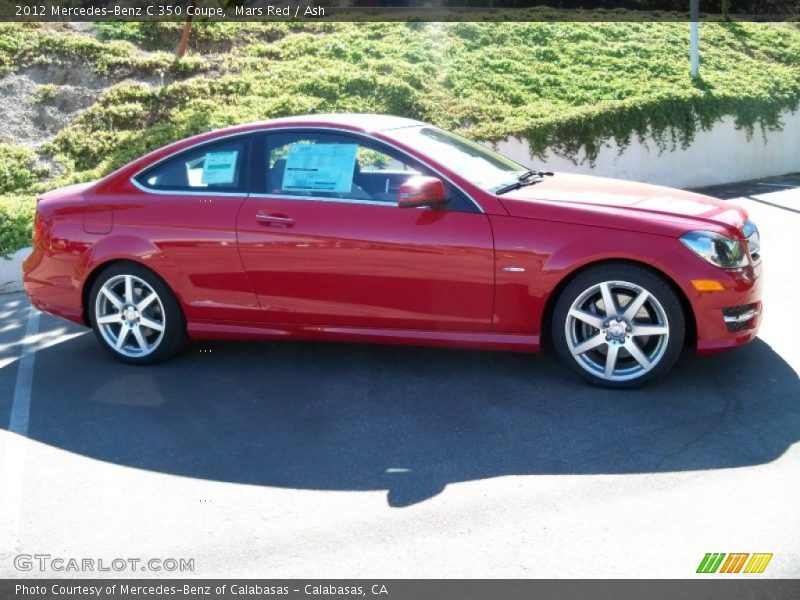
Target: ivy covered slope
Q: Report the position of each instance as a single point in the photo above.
(100, 95)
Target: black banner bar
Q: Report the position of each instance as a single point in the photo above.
(712, 587)
(395, 10)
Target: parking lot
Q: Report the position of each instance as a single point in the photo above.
(333, 460)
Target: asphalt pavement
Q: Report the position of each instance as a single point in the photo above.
(334, 460)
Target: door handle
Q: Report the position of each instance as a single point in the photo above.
(267, 220)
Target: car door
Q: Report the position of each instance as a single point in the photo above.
(323, 241)
(188, 205)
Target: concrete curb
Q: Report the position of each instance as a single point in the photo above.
(11, 271)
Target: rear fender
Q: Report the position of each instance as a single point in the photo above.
(130, 248)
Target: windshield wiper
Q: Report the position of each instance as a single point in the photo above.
(527, 178)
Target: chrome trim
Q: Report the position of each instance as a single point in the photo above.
(514, 269)
(148, 190)
(745, 316)
(291, 128)
(262, 218)
(322, 199)
(752, 238)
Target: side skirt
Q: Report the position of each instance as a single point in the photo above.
(409, 337)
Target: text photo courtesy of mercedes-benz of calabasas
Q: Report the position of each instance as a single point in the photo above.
(382, 229)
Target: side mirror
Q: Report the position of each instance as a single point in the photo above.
(421, 190)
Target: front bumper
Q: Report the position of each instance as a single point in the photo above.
(725, 318)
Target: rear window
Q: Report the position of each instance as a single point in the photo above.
(218, 166)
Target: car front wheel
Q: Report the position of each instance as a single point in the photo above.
(618, 325)
(135, 315)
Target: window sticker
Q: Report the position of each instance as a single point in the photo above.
(320, 167)
(220, 167)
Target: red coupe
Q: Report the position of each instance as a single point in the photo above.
(384, 229)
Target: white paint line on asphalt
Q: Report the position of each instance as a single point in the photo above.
(21, 402)
(41, 341)
(12, 468)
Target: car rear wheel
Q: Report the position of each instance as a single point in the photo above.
(618, 325)
(135, 315)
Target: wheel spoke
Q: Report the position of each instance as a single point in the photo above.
(634, 305)
(586, 345)
(123, 335)
(638, 355)
(611, 360)
(128, 289)
(649, 330)
(113, 298)
(146, 302)
(150, 324)
(608, 299)
(137, 333)
(593, 320)
(105, 319)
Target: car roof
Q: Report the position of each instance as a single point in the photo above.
(365, 122)
(358, 122)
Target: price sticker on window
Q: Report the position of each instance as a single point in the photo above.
(220, 167)
(320, 167)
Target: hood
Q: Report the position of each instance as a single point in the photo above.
(622, 204)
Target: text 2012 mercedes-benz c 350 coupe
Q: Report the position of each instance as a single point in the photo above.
(384, 229)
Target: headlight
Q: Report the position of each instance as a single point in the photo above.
(717, 249)
(750, 233)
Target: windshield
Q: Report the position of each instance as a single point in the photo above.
(480, 166)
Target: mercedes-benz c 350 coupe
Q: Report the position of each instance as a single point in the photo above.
(383, 229)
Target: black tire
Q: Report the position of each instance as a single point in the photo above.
(584, 296)
(164, 311)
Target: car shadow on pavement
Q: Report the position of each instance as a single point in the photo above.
(406, 420)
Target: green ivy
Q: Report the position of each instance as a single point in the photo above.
(569, 87)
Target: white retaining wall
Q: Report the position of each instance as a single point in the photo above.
(722, 154)
(11, 271)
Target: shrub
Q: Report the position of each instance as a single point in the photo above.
(18, 169)
(16, 223)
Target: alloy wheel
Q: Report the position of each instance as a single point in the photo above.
(617, 331)
(130, 316)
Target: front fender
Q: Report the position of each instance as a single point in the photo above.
(550, 252)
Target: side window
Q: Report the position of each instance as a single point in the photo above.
(322, 165)
(333, 166)
(217, 166)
